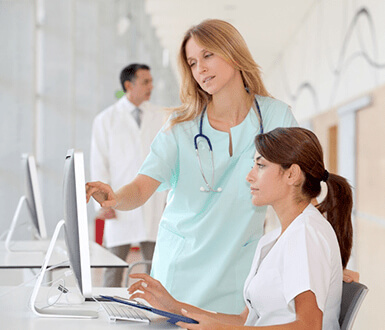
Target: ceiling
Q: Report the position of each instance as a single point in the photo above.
(267, 25)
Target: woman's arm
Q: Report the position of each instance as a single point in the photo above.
(308, 317)
(136, 193)
(129, 197)
(156, 295)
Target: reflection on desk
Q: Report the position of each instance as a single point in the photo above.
(16, 314)
(100, 257)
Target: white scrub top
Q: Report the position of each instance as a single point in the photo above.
(118, 149)
(306, 257)
(207, 240)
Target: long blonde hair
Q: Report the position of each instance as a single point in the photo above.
(223, 39)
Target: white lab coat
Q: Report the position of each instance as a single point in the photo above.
(118, 148)
(305, 257)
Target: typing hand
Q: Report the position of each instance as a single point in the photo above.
(102, 193)
(153, 292)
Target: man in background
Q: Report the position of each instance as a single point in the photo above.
(121, 139)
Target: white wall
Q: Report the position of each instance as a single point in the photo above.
(338, 56)
(335, 54)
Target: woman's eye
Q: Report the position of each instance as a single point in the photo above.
(208, 54)
(192, 64)
(260, 165)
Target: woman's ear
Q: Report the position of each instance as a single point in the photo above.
(294, 174)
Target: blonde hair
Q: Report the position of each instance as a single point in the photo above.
(223, 39)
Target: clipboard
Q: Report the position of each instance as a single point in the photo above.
(172, 317)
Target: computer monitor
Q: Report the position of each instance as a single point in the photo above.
(32, 199)
(75, 224)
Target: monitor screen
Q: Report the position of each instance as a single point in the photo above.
(76, 223)
(33, 197)
(32, 200)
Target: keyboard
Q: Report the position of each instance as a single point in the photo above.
(116, 311)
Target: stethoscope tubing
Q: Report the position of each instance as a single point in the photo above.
(205, 137)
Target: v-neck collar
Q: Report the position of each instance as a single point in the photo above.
(242, 134)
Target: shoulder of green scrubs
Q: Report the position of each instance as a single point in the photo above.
(162, 161)
(206, 240)
(275, 113)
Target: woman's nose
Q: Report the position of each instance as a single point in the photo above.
(202, 68)
(249, 177)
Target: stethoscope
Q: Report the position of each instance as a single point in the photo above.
(209, 187)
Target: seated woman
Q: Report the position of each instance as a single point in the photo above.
(295, 280)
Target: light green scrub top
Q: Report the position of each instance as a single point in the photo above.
(206, 240)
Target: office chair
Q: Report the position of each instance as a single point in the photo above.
(352, 296)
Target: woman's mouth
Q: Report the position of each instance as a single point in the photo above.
(208, 79)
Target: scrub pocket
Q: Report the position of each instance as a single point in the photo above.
(169, 246)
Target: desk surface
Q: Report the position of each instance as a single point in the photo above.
(15, 313)
(31, 254)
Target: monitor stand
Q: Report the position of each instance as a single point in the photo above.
(8, 242)
(56, 312)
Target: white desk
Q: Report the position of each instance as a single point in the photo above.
(33, 254)
(15, 313)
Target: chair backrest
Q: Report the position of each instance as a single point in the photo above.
(352, 296)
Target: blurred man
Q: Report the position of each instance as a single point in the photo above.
(121, 139)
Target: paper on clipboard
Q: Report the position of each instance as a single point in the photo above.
(172, 317)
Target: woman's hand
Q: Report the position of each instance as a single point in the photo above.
(351, 276)
(105, 214)
(102, 193)
(154, 293)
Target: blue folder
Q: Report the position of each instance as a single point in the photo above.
(172, 318)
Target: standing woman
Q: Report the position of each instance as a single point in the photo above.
(209, 229)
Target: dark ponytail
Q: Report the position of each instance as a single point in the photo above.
(337, 207)
(295, 145)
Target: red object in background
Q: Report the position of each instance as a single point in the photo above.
(99, 231)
